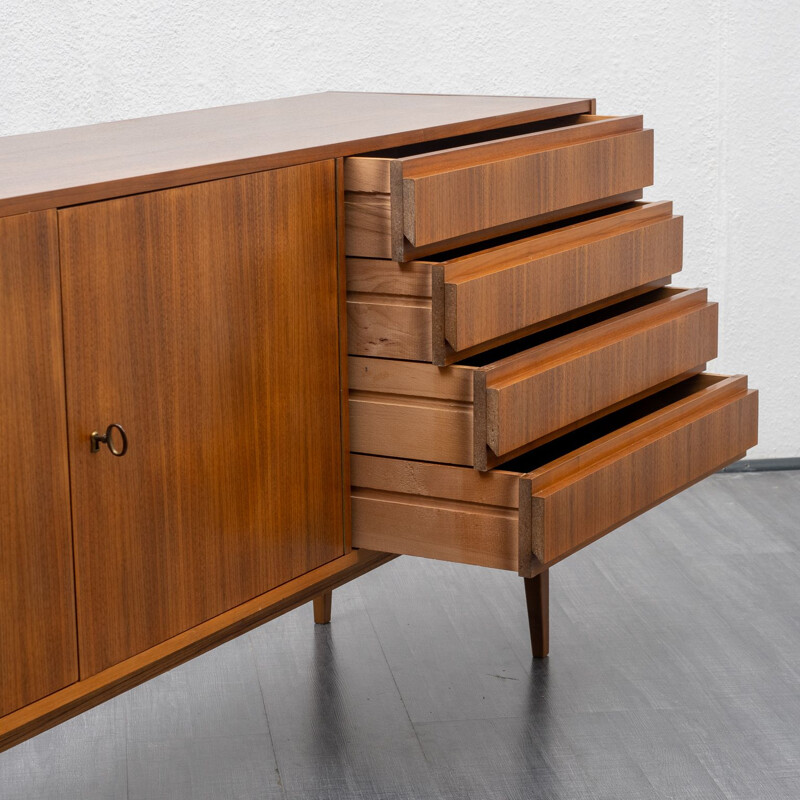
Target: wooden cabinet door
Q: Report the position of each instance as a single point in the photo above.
(38, 644)
(204, 321)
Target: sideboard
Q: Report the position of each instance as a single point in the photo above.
(250, 353)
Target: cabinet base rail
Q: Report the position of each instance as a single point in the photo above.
(60, 706)
(317, 586)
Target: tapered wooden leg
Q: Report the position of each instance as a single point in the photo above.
(322, 608)
(537, 595)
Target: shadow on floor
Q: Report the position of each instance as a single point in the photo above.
(674, 672)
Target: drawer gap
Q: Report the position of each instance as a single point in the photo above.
(436, 502)
(408, 399)
(390, 299)
(419, 148)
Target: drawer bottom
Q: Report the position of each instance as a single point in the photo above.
(552, 501)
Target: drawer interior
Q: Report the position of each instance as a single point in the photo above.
(586, 435)
(490, 135)
(445, 145)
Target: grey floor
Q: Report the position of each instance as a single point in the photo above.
(675, 673)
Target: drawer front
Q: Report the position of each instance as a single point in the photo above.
(562, 497)
(593, 491)
(453, 202)
(490, 409)
(442, 310)
(407, 206)
(508, 289)
(525, 397)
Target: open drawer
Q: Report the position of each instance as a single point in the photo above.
(417, 199)
(554, 500)
(454, 304)
(490, 408)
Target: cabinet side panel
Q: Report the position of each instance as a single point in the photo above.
(204, 320)
(344, 411)
(38, 646)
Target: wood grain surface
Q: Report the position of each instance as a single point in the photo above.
(38, 643)
(370, 229)
(490, 294)
(587, 493)
(444, 308)
(344, 412)
(79, 165)
(457, 154)
(385, 376)
(411, 427)
(435, 511)
(545, 388)
(536, 510)
(550, 383)
(533, 175)
(674, 675)
(323, 604)
(537, 600)
(389, 309)
(409, 409)
(204, 320)
(402, 206)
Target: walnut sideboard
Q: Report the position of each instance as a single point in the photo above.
(249, 353)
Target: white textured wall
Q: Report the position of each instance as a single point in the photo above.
(718, 81)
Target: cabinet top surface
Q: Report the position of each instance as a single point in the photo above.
(93, 162)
